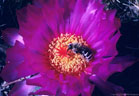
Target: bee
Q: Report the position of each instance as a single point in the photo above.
(78, 48)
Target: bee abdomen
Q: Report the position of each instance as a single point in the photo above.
(88, 55)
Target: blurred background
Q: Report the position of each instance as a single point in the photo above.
(128, 44)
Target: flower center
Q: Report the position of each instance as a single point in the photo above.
(63, 61)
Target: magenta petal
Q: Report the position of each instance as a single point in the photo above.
(11, 35)
(42, 91)
(21, 88)
(79, 10)
(119, 63)
(47, 84)
(9, 73)
(24, 70)
(36, 81)
(106, 87)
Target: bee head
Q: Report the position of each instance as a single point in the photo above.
(70, 46)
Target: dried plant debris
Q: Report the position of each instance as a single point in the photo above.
(127, 10)
(5, 87)
(4, 91)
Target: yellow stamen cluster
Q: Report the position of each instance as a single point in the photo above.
(63, 61)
